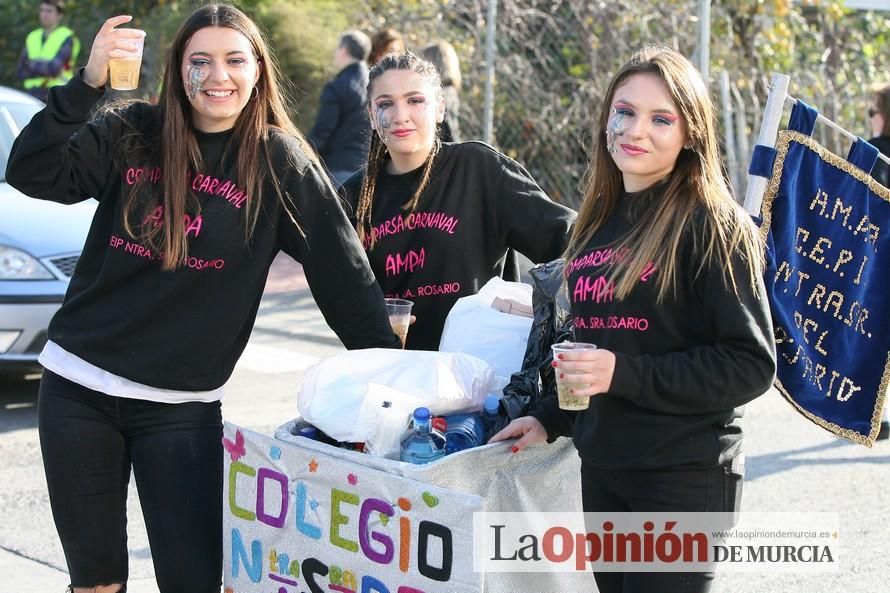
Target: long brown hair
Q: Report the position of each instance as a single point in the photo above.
(377, 153)
(443, 56)
(695, 187)
(177, 153)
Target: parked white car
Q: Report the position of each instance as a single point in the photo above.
(40, 243)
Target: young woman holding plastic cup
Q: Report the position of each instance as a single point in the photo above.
(664, 276)
(437, 219)
(197, 195)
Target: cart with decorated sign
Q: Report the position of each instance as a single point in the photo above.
(302, 516)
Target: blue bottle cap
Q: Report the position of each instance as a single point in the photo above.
(310, 432)
(492, 403)
(422, 414)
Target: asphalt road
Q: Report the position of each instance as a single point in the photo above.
(792, 465)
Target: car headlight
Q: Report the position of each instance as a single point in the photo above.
(15, 264)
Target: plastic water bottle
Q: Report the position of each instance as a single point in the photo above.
(491, 417)
(422, 444)
(465, 431)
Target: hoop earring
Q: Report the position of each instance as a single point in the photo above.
(253, 94)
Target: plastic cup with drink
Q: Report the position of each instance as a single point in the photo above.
(565, 381)
(399, 311)
(123, 73)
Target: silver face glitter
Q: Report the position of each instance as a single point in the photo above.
(614, 129)
(384, 123)
(197, 74)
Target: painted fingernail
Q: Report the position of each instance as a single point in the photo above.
(554, 364)
(560, 356)
(514, 449)
(571, 391)
(562, 376)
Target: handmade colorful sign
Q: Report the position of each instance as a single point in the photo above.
(299, 521)
(826, 225)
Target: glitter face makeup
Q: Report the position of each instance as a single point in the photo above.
(219, 71)
(384, 122)
(405, 107)
(614, 130)
(645, 132)
(197, 74)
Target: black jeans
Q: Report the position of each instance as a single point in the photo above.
(90, 441)
(716, 489)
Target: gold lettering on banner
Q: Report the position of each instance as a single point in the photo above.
(848, 266)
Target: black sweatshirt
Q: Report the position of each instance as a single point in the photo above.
(478, 204)
(683, 368)
(185, 329)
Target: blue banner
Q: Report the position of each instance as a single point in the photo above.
(826, 226)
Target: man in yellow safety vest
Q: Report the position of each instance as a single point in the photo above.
(50, 52)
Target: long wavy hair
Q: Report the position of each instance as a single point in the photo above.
(378, 153)
(176, 150)
(696, 187)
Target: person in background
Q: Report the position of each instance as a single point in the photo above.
(197, 195)
(341, 131)
(437, 219)
(442, 55)
(50, 52)
(384, 42)
(879, 118)
(664, 274)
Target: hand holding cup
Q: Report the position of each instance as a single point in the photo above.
(113, 44)
(582, 370)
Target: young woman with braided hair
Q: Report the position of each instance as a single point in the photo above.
(438, 218)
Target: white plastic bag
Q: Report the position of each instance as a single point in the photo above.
(474, 327)
(343, 395)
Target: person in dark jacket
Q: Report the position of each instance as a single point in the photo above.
(341, 130)
(879, 118)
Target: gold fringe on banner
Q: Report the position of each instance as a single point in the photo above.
(786, 137)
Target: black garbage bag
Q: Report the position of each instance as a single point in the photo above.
(552, 323)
